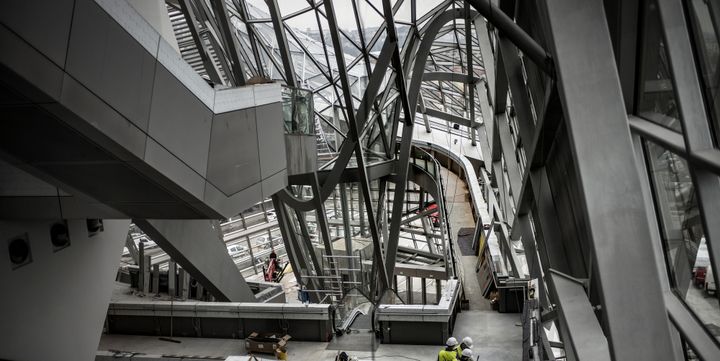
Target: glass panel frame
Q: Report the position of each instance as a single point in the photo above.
(656, 88)
(704, 24)
(683, 236)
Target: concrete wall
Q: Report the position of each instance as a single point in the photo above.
(54, 307)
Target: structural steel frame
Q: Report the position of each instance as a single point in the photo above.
(515, 76)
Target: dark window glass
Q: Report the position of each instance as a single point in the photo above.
(657, 100)
(705, 25)
(684, 243)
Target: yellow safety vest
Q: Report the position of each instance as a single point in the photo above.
(458, 350)
(445, 355)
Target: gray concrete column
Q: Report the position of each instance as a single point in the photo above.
(199, 291)
(54, 307)
(156, 279)
(172, 273)
(184, 283)
(438, 291)
(409, 288)
(145, 275)
(141, 267)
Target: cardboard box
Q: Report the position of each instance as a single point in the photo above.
(265, 342)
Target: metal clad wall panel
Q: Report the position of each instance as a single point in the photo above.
(179, 121)
(86, 109)
(30, 66)
(270, 133)
(55, 15)
(234, 160)
(167, 164)
(230, 206)
(274, 183)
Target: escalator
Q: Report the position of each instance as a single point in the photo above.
(355, 330)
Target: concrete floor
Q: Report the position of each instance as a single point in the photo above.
(457, 202)
(205, 347)
(496, 336)
(460, 216)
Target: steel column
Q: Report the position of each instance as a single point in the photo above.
(282, 43)
(614, 212)
(347, 230)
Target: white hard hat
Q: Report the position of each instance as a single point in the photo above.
(467, 352)
(468, 342)
(452, 341)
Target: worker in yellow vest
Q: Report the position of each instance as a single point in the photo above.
(448, 353)
(467, 343)
(467, 355)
